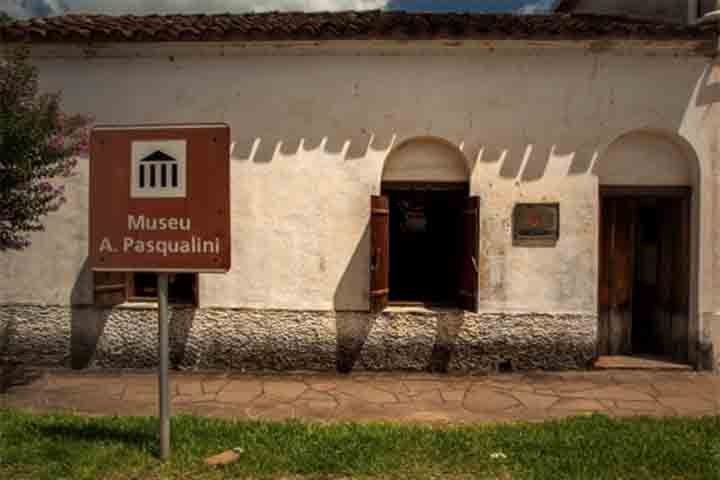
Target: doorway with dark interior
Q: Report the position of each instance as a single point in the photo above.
(644, 272)
(425, 239)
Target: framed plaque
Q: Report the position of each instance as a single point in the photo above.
(536, 224)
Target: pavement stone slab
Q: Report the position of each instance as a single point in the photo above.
(416, 387)
(642, 406)
(285, 391)
(194, 388)
(366, 393)
(214, 386)
(240, 391)
(535, 402)
(403, 398)
(674, 388)
(281, 411)
(431, 399)
(315, 410)
(453, 395)
(688, 405)
(312, 395)
(202, 398)
(364, 411)
(483, 399)
(611, 393)
(569, 387)
(391, 387)
(324, 386)
(579, 405)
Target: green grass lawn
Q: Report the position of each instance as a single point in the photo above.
(592, 447)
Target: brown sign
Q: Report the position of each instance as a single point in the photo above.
(160, 198)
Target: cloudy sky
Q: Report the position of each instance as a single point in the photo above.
(24, 8)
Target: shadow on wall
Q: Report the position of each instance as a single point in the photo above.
(351, 293)
(527, 163)
(182, 355)
(264, 150)
(352, 333)
(447, 330)
(375, 342)
(709, 88)
(353, 324)
(12, 371)
(533, 162)
(87, 323)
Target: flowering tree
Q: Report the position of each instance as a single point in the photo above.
(38, 146)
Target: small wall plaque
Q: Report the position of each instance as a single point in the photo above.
(536, 224)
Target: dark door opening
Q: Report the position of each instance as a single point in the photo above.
(426, 242)
(645, 294)
(644, 272)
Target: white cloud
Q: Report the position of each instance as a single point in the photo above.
(117, 7)
(10, 7)
(540, 6)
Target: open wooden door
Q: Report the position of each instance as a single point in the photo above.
(471, 244)
(110, 288)
(379, 253)
(617, 244)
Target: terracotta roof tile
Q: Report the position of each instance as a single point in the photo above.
(337, 26)
(566, 5)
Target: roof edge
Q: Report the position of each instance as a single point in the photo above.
(173, 50)
(369, 25)
(564, 6)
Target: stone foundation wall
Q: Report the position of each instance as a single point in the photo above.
(708, 351)
(82, 337)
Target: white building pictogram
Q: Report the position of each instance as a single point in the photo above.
(158, 169)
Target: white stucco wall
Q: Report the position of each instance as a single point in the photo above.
(643, 158)
(419, 159)
(532, 122)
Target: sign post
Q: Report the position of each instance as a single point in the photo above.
(164, 351)
(160, 202)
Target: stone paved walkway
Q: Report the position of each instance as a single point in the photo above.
(366, 397)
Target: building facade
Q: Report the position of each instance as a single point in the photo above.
(409, 191)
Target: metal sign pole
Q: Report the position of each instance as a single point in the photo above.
(163, 317)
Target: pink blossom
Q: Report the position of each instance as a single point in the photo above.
(60, 121)
(57, 142)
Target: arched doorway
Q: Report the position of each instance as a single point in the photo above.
(646, 247)
(425, 228)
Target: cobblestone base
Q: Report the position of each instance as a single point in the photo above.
(202, 338)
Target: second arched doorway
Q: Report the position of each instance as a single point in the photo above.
(646, 247)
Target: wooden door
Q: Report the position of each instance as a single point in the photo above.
(671, 313)
(617, 253)
(379, 253)
(681, 273)
(469, 269)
